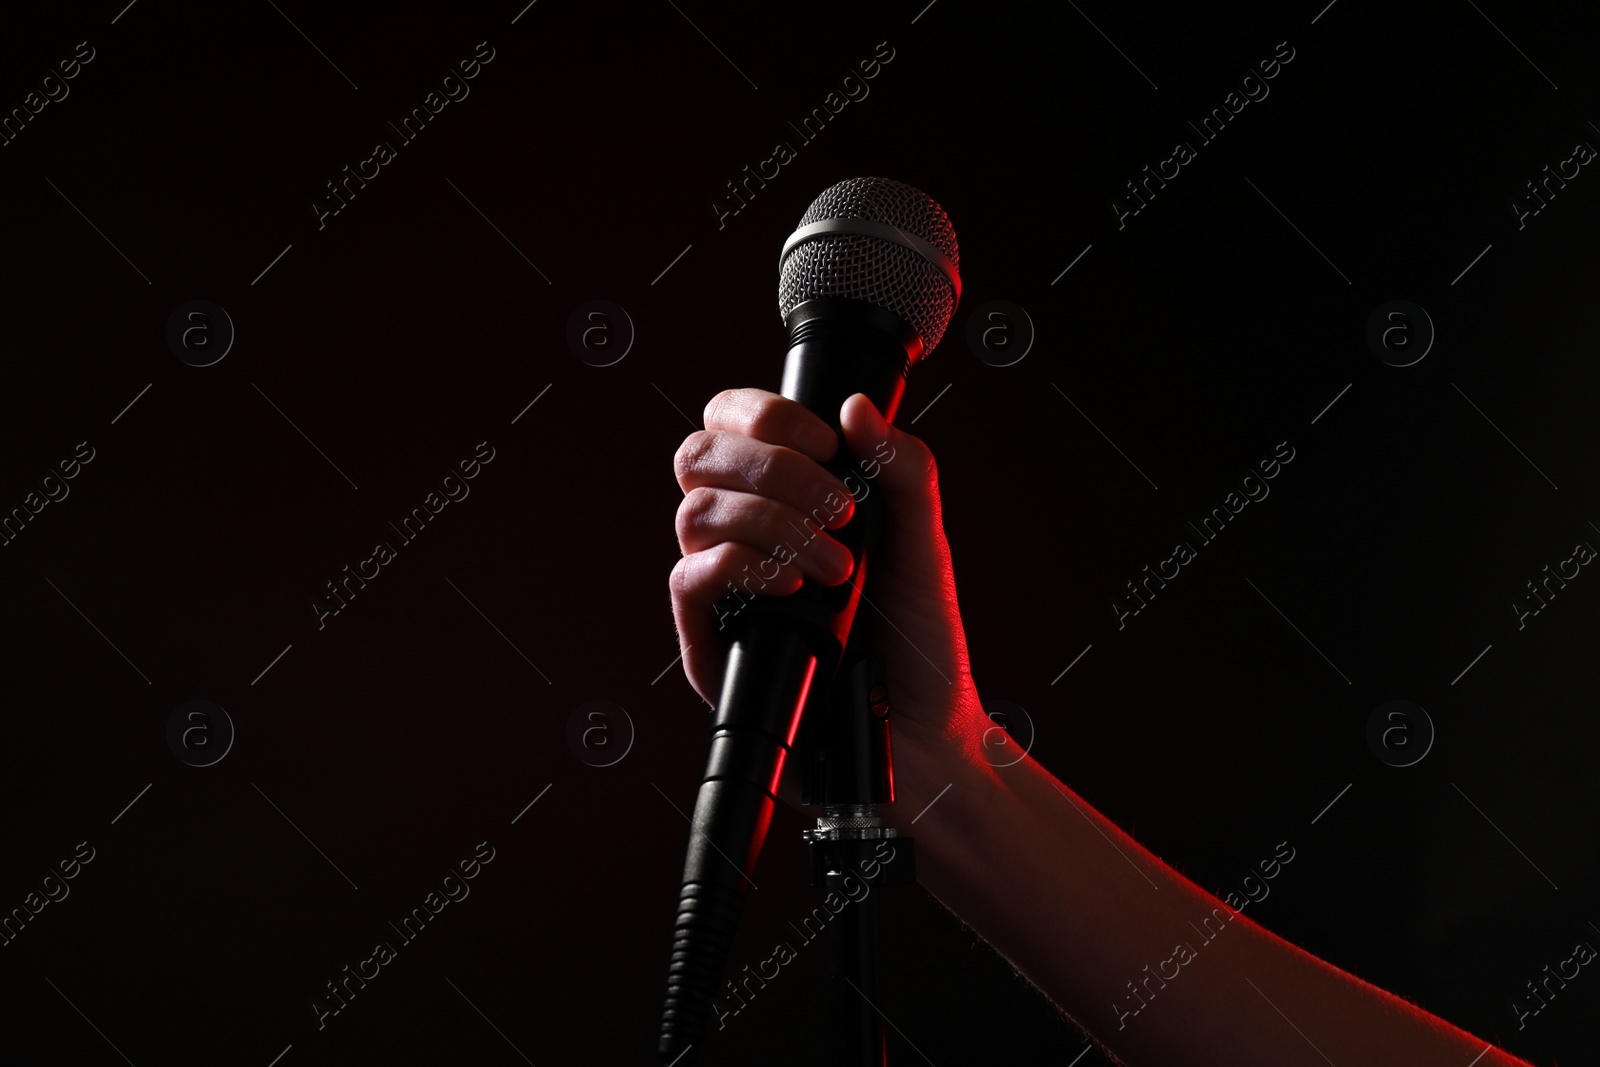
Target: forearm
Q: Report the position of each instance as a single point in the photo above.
(1152, 966)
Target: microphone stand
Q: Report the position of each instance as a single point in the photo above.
(770, 710)
(851, 772)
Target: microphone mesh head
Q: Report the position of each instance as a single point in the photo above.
(878, 271)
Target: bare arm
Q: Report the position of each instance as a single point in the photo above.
(1152, 966)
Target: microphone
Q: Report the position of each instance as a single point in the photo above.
(868, 283)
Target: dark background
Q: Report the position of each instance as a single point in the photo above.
(376, 752)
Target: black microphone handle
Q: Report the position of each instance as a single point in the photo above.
(781, 648)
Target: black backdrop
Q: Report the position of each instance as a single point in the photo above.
(376, 348)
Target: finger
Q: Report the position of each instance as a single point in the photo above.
(700, 580)
(708, 517)
(913, 578)
(898, 463)
(773, 419)
(723, 459)
(902, 468)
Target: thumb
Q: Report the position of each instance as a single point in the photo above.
(913, 581)
(902, 467)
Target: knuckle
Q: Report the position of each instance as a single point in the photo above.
(678, 581)
(761, 468)
(696, 513)
(767, 421)
(719, 406)
(721, 563)
(691, 453)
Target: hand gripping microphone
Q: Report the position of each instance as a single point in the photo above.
(868, 283)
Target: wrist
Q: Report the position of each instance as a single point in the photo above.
(942, 783)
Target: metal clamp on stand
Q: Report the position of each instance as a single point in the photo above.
(852, 852)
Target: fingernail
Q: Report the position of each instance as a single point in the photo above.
(838, 560)
(839, 502)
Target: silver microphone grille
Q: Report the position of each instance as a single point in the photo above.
(899, 253)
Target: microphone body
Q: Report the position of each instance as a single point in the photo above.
(785, 652)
